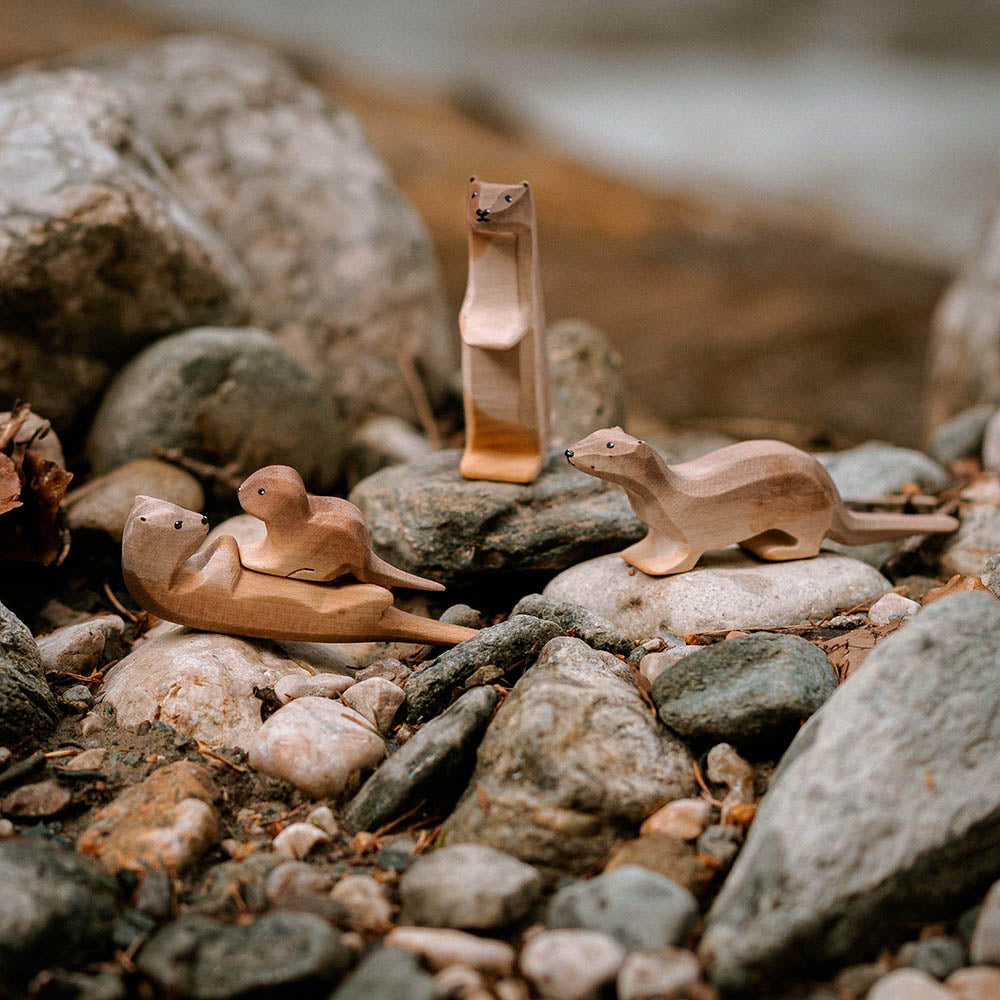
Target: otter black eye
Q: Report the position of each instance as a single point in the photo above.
(473, 195)
(471, 179)
(142, 519)
(508, 198)
(204, 520)
(611, 444)
(261, 491)
(178, 525)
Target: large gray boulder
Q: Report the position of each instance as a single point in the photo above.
(885, 810)
(573, 761)
(425, 518)
(222, 395)
(341, 267)
(99, 252)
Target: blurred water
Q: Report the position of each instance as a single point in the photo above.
(819, 103)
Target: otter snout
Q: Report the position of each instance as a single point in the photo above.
(483, 214)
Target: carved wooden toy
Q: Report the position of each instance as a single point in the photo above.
(171, 575)
(313, 538)
(772, 499)
(504, 362)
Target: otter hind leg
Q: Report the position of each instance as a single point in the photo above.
(776, 545)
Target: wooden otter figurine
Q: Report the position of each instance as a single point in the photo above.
(313, 538)
(173, 576)
(772, 499)
(504, 362)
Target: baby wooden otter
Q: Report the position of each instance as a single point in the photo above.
(772, 499)
(313, 538)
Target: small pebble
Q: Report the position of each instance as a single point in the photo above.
(297, 840)
(937, 956)
(909, 984)
(369, 909)
(292, 880)
(5, 756)
(457, 982)
(727, 767)
(78, 694)
(889, 607)
(88, 760)
(977, 982)
(984, 947)
(377, 699)
(684, 818)
(310, 685)
(441, 947)
(6, 829)
(37, 800)
(389, 669)
(511, 989)
(722, 842)
(647, 974)
(91, 723)
(322, 816)
(653, 664)
(571, 964)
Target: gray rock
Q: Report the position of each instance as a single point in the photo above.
(638, 907)
(651, 974)
(573, 761)
(425, 518)
(341, 267)
(462, 614)
(991, 444)
(962, 435)
(26, 703)
(468, 886)
(726, 590)
(595, 631)
(203, 959)
(82, 647)
(103, 504)
(219, 394)
(388, 974)
(937, 956)
(432, 765)
(884, 810)
(380, 441)
(429, 689)
(58, 908)
(100, 252)
(744, 690)
(909, 984)
(984, 946)
(722, 842)
(877, 469)
(586, 381)
(977, 538)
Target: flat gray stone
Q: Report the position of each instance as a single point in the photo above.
(744, 690)
(58, 908)
(470, 887)
(429, 689)
(433, 765)
(884, 811)
(573, 761)
(877, 469)
(220, 393)
(203, 959)
(726, 590)
(425, 518)
(596, 632)
(341, 268)
(633, 904)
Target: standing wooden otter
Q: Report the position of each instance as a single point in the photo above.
(313, 538)
(772, 499)
(504, 363)
(174, 576)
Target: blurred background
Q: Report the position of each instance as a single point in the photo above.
(760, 204)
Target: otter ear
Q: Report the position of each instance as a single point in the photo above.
(617, 428)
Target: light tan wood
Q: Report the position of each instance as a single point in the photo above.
(313, 538)
(172, 576)
(772, 499)
(504, 363)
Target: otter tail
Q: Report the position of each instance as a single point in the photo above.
(386, 575)
(854, 528)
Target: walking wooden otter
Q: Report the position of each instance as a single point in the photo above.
(172, 576)
(772, 499)
(505, 377)
(313, 538)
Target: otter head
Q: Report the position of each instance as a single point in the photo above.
(609, 454)
(160, 531)
(499, 207)
(273, 490)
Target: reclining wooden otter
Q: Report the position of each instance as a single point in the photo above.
(313, 538)
(772, 499)
(172, 576)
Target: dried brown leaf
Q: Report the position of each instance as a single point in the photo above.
(958, 584)
(848, 651)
